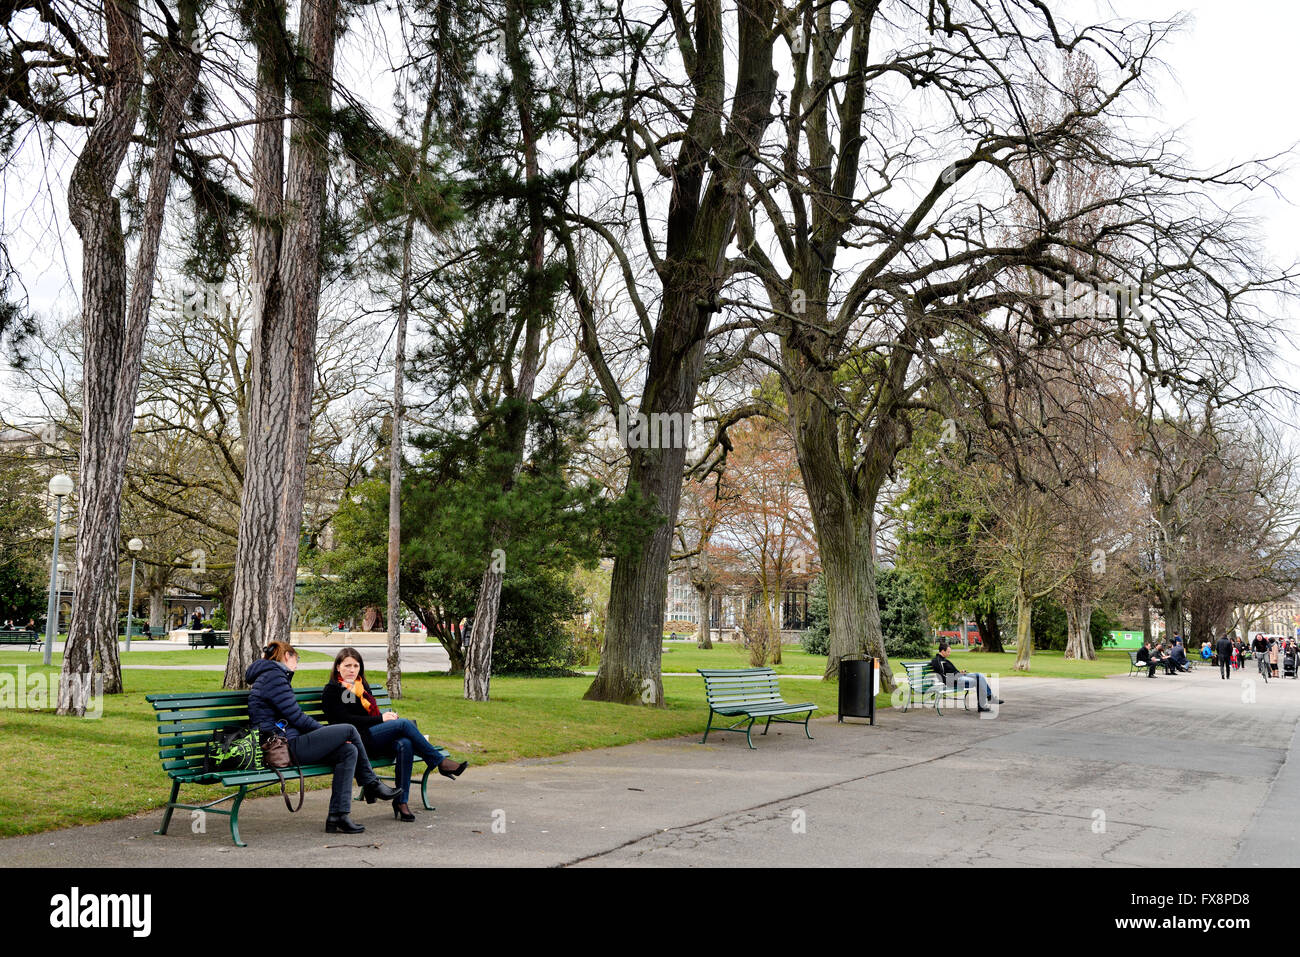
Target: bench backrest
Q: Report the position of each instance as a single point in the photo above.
(740, 686)
(187, 722)
(921, 676)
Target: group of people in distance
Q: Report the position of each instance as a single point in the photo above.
(1173, 657)
(356, 730)
(1228, 653)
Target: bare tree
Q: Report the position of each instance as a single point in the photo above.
(112, 331)
(286, 286)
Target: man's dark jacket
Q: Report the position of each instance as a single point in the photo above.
(945, 669)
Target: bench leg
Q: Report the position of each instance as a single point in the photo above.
(171, 806)
(424, 781)
(749, 727)
(768, 725)
(707, 727)
(234, 816)
(805, 725)
(424, 789)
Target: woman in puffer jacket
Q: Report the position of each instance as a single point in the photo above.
(272, 707)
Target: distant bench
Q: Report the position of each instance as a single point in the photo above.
(751, 693)
(145, 631)
(19, 636)
(208, 638)
(188, 722)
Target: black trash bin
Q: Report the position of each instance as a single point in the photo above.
(857, 683)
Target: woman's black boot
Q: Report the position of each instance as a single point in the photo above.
(377, 789)
(402, 810)
(342, 824)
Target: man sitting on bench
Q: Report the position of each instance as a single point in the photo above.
(953, 678)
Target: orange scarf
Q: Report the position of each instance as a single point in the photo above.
(366, 699)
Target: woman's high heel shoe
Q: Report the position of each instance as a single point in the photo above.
(442, 769)
(402, 810)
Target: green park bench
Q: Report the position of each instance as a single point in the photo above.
(219, 638)
(188, 722)
(751, 693)
(19, 636)
(143, 631)
(923, 683)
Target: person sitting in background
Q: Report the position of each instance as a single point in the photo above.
(1207, 653)
(1163, 658)
(953, 678)
(1179, 657)
(1145, 656)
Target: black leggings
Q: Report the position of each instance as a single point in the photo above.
(339, 745)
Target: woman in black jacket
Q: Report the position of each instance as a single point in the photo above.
(347, 700)
(273, 708)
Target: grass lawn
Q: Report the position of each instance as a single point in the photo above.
(117, 771)
(191, 656)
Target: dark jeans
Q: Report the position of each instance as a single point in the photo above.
(1225, 667)
(339, 745)
(401, 739)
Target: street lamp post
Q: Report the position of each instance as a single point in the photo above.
(60, 486)
(134, 545)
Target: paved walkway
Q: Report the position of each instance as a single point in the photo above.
(1183, 771)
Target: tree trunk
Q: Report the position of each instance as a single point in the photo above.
(394, 662)
(112, 333)
(284, 356)
(704, 610)
(1078, 616)
(1024, 630)
(157, 608)
(478, 652)
(990, 630)
(701, 222)
(843, 516)
(395, 448)
(266, 438)
(1146, 619)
